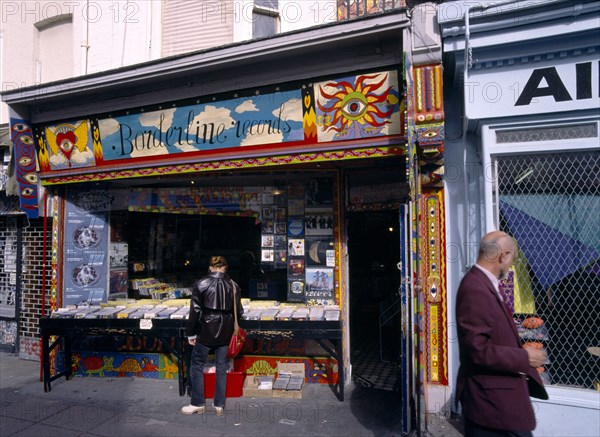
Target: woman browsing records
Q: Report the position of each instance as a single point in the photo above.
(210, 327)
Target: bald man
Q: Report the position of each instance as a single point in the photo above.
(496, 375)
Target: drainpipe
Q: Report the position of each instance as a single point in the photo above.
(19, 276)
(86, 44)
(468, 59)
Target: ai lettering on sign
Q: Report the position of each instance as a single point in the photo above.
(533, 88)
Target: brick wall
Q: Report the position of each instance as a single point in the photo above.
(34, 263)
(31, 274)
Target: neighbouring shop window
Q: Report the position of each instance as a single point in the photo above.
(8, 266)
(551, 204)
(265, 18)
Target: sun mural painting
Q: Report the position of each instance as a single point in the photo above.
(359, 107)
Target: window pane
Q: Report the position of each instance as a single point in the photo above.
(550, 203)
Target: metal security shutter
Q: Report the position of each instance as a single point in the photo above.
(550, 203)
(190, 25)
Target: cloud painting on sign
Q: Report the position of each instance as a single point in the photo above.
(275, 118)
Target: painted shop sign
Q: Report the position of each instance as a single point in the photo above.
(541, 87)
(353, 107)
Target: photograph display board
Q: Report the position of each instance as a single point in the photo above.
(86, 247)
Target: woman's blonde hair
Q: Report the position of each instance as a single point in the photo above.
(217, 262)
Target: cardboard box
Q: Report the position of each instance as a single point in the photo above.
(235, 385)
(292, 376)
(252, 383)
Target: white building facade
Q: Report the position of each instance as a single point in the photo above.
(523, 156)
(105, 35)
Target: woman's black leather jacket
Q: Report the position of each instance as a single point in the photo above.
(211, 309)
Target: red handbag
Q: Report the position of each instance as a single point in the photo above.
(236, 343)
(237, 340)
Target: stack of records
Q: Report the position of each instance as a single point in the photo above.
(181, 313)
(285, 313)
(316, 313)
(301, 313)
(269, 314)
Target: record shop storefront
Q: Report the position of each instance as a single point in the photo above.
(149, 171)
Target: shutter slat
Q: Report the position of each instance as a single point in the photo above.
(195, 25)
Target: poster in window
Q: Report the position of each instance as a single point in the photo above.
(295, 207)
(267, 255)
(280, 214)
(296, 291)
(280, 228)
(280, 242)
(267, 227)
(319, 251)
(319, 191)
(266, 199)
(118, 254)
(319, 283)
(295, 228)
(268, 213)
(296, 247)
(296, 267)
(280, 256)
(118, 284)
(267, 240)
(318, 222)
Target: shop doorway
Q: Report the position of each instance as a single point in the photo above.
(374, 281)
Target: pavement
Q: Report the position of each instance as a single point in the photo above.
(90, 406)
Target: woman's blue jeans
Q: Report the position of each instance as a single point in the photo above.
(197, 360)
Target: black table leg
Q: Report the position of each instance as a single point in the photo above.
(336, 353)
(46, 362)
(68, 357)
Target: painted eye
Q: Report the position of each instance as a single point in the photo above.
(27, 191)
(25, 161)
(430, 134)
(354, 108)
(20, 127)
(354, 105)
(26, 139)
(66, 145)
(31, 177)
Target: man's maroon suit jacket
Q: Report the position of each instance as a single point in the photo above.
(494, 379)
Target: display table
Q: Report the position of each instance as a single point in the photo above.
(163, 330)
(328, 334)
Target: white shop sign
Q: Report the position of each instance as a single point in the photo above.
(535, 87)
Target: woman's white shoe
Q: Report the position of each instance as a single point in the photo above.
(219, 411)
(191, 409)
